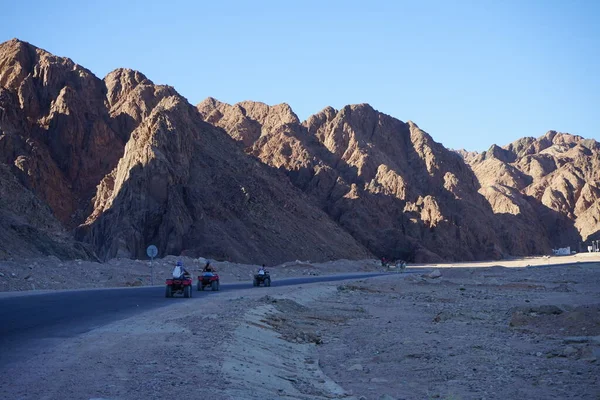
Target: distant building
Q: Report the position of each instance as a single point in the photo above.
(563, 251)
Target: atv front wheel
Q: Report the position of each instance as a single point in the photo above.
(168, 291)
(268, 282)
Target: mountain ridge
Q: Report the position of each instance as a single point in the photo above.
(153, 148)
(122, 162)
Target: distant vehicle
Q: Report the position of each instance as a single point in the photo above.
(264, 279)
(208, 279)
(398, 264)
(401, 265)
(179, 286)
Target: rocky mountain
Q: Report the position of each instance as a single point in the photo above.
(386, 182)
(28, 228)
(56, 143)
(105, 167)
(186, 185)
(56, 130)
(558, 174)
(128, 163)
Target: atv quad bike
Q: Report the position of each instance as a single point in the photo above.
(181, 285)
(264, 279)
(208, 279)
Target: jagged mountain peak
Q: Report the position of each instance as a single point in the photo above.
(331, 186)
(554, 171)
(209, 102)
(202, 195)
(387, 182)
(122, 81)
(359, 107)
(18, 59)
(325, 116)
(530, 145)
(328, 110)
(160, 174)
(17, 49)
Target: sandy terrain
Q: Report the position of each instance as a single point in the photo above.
(471, 333)
(492, 333)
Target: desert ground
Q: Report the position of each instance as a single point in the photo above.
(50, 273)
(519, 329)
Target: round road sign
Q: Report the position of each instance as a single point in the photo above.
(152, 251)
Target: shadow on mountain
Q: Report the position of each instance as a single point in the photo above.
(199, 195)
(468, 229)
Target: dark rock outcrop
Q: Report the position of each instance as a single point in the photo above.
(28, 227)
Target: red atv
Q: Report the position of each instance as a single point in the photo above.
(179, 286)
(208, 279)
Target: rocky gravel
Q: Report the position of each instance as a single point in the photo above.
(436, 333)
(492, 333)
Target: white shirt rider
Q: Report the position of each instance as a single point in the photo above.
(177, 272)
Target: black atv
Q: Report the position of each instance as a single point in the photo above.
(264, 279)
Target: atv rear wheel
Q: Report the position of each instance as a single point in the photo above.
(187, 292)
(214, 286)
(168, 291)
(268, 282)
(199, 286)
(255, 282)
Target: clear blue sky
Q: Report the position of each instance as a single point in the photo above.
(471, 73)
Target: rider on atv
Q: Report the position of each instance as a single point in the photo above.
(179, 272)
(262, 270)
(208, 267)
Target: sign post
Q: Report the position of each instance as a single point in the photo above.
(152, 252)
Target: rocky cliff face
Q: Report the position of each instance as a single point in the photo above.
(187, 187)
(132, 163)
(56, 133)
(28, 227)
(554, 179)
(123, 163)
(56, 143)
(388, 183)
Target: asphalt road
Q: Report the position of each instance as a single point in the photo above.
(30, 322)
